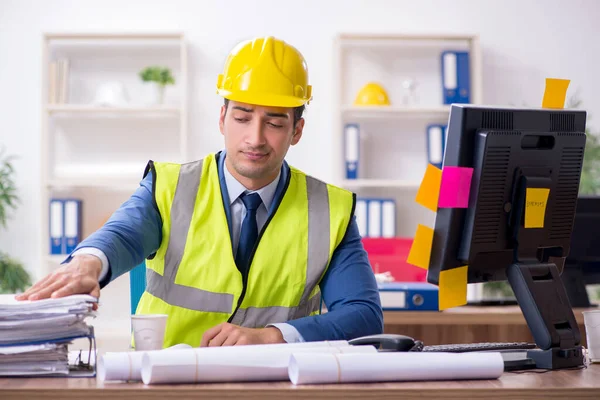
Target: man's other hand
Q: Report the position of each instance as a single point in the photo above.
(78, 276)
(227, 334)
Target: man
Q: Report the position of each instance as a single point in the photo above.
(239, 247)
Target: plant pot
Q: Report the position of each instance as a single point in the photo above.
(154, 94)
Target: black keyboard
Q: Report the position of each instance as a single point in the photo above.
(466, 347)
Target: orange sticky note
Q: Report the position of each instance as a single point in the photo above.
(453, 288)
(429, 191)
(555, 93)
(420, 251)
(536, 200)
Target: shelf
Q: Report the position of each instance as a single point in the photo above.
(380, 183)
(375, 39)
(115, 36)
(390, 112)
(123, 184)
(168, 111)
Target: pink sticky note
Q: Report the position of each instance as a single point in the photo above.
(455, 187)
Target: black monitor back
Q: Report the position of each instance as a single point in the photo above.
(585, 240)
(582, 266)
(501, 144)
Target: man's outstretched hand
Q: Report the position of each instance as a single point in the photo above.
(227, 334)
(78, 276)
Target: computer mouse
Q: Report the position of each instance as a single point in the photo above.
(385, 342)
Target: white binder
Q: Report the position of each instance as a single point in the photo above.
(388, 219)
(351, 138)
(435, 144)
(360, 211)
(72, 224)
(374, 218)
(56, 222)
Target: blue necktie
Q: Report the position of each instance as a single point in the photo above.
(249, 233)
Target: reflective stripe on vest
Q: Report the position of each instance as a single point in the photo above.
(261, 316)
(165, 288)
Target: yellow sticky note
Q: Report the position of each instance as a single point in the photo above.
(429, 191)
(453, 287)
(420, 251)
(555, 93)
(536, 200)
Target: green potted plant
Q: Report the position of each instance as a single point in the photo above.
(13, 277)
(158, 78)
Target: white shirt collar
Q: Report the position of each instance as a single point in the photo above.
(235, 188)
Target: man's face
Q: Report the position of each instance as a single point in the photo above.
(257, 139)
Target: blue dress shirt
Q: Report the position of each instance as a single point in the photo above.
(348, 288)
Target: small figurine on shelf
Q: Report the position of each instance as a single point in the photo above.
(159, 78)
(410, 97)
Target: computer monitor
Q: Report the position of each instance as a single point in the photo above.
(582, 266)
(512, 150)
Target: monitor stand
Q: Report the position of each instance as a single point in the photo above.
(546, 308)
(539, 289)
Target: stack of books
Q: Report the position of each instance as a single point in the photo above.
(35, 335)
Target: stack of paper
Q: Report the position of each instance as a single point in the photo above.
(34, 334)
(37, 359)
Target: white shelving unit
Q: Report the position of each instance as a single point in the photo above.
(379, 183)
(388, 113)
(97, 152)
(95, 110)
(392, 144)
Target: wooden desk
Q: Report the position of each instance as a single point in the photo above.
(573, 384)
(466, 325)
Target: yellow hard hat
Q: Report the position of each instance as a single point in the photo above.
(372, 94)
(267, 72)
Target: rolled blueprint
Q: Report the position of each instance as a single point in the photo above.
(127, 365)
(230, 364)
(399, 366)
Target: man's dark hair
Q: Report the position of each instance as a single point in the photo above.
(298, 111)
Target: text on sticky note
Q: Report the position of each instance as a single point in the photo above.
(555, 93)
(429, 191)
(420, 251)
(455, 187)
(536, 200)
(453, 288)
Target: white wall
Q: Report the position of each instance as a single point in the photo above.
(523, 42)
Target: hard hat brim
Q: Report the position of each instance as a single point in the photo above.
(266, 99)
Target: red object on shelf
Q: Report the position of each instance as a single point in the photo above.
(390, 254)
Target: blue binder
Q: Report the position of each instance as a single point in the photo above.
(351, 150)
(408, 296)
(72, 225)
(456, 82)
(436, 144)
(56, 223)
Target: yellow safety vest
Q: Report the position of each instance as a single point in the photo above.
(193, 277)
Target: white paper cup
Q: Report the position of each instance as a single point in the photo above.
(591, 319)
(148, 331)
